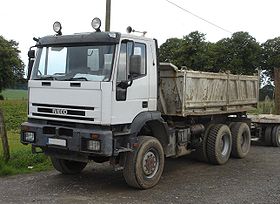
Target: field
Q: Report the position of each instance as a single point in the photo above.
(13, 94)
(22, 160)
(264, 107)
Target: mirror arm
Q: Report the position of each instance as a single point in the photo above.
(125, 84)
(130, 82)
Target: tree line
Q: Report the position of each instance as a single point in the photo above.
(240, 54)
(11, 66)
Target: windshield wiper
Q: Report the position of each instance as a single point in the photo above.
(47, 78)
(77, 79)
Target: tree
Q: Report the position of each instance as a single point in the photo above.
(194, 52)
(11, 66)
(191, 51)
(241, 54)
(169, 50)
(266, 91)
(11, 70)
(271, 56)
(271, 66)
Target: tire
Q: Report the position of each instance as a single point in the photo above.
(67, 166)
(140, 173)
(275, 136)
(219, 144)
(267, 136)
(231, 124)
(241, 140)
(200, 153)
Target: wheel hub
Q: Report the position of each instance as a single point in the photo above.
(278, 137)
(224, 144)
(150, 164)
(244, 142)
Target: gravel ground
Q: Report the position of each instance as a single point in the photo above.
(255, 179)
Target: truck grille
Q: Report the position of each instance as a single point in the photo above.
(70, 112)
(62, 111)
(63, 106)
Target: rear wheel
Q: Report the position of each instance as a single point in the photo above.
(144, 166)
(275, 136)
(241, 139)
(67, 166)
(219, 144)
(267, 136)
(200, 153)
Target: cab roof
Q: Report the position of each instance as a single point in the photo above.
(87, 38)
(80, 38)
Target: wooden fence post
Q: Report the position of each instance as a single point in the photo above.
(4, 138)
(277, 90)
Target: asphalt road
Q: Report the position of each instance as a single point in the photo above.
(255, 179)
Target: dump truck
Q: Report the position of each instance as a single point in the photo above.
(104, 96)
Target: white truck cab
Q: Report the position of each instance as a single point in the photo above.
(82, 82)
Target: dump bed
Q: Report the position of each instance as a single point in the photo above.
(187, 92)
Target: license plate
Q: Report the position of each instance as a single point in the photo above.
(58, 142)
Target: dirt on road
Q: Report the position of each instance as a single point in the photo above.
(255, 179)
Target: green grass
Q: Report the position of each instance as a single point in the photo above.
(15, 112)
(22, 160)
(14, 94)
(265, 107)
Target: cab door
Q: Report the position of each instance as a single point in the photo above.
(131, 93)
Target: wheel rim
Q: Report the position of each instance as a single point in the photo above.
(278, 136)
(150, 163)
(224, 144)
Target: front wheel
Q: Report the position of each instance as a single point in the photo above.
(144, 166)
(67, 166)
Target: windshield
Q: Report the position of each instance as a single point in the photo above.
(80, 63)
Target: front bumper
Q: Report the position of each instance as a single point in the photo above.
(74, 140)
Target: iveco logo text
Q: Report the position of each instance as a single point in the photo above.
(59, 111)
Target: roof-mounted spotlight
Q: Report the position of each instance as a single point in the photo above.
(129, 29)
(96, 24)
(57, 28)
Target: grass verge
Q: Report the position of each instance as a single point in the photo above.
(14, 94)
(264, 107)
(22, 160)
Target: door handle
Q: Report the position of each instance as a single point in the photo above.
(145, 104)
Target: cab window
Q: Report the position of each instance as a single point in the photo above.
(128, 49)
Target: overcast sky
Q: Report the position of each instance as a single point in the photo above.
(23, 20)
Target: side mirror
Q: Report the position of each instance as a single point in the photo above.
(135, 65)
(31, 54)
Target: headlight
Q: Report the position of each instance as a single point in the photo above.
(93, 145)
(29, 136)
(57, 27)
(96, 24)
